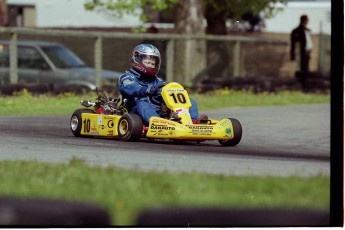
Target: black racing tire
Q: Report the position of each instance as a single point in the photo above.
(76, 121)
(237, 130)
(130, 127)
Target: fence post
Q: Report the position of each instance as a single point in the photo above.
(237, 59)
(13, 59)
(170, 60)
(98, 60)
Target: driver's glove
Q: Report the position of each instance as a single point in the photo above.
(151, 90)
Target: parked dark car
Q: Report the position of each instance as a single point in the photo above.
(51, 63)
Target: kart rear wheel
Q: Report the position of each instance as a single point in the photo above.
(76, 121)
(130, 127)
(237, 131)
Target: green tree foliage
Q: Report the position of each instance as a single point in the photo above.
(238, 7)
(235, 8)
(121, 7)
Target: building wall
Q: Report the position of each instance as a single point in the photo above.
(287, 18)
(71, 13)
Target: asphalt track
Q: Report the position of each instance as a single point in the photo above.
(277, 140)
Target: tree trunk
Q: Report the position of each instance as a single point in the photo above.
(190, 55)
(216, 19)
(217, 52)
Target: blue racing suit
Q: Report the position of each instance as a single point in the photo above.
(135, 88)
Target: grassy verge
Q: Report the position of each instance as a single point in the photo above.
(231, 98)
(124, 193)
(27, 104)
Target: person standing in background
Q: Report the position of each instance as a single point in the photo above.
(301, 35)
(4, 19)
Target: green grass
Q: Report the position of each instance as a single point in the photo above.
(125, 193)
(230, 98)
(26, 104)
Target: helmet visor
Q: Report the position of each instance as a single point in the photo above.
(149, 61)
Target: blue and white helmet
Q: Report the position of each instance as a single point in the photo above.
(146, 59)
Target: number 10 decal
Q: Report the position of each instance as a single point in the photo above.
(178, 98)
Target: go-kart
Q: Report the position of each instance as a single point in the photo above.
(109, 118)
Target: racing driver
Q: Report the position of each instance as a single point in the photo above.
(141, 86)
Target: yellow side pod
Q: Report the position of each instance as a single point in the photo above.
(99, 125)
(165, 129)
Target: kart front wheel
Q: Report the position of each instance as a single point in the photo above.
(237, 132)
(130, 127)
(76, 121)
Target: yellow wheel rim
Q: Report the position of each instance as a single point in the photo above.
(123, 127)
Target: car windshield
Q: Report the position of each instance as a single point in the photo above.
(62, 57)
